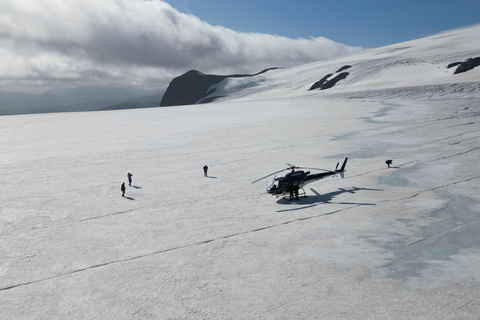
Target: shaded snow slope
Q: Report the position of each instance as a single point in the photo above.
(382, 243)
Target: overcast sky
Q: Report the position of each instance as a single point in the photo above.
(139, 43)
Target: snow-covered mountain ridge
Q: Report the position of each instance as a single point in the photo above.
(421, 62)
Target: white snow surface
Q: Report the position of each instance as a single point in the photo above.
(382, 243)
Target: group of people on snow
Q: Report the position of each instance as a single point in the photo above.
(122, 187)
(129, 177)
(292, 188)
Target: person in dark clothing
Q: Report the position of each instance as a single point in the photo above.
(123, 189)
(290, 189)
(389, 162)
(205, 169)
(129, 176)
(295, 190)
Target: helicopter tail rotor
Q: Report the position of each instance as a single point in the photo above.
(342, 169)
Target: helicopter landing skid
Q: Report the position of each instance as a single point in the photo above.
(302, 194)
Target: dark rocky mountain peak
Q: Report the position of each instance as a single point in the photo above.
(194, 86)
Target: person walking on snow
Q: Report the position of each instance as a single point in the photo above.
(205, 169)
(123, 189)
(129, 176)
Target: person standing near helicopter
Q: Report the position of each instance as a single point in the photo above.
(290, 187)
(295, 190)
(205, 169)
(122, 188)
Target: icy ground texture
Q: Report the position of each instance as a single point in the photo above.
(182, 246)
(382, 243)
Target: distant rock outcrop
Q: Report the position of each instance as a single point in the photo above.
(193, 87)
(320, 82)
(328, 82)
(344, 68)
(465, 66)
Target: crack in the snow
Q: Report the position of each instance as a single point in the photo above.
(175, 248)
(441, 234)
(415, 161)
(462, 306)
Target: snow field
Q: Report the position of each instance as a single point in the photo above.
(184, 246)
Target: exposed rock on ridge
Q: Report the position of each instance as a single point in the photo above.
(465, 66)
(193, 87)
(328, 82)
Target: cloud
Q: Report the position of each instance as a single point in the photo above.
(133, 42)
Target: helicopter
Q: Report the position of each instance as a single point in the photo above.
(293, 181)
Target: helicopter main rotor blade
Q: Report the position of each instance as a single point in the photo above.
(271, 174)
(313, 168)
(291, 166)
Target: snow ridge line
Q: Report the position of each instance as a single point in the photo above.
(174, 248)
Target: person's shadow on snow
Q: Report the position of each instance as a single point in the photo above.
(210, 177)
(129, 198)
(136, 187)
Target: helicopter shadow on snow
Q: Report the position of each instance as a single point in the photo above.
(313, 200)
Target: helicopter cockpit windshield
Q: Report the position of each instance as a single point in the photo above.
(275, 186)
